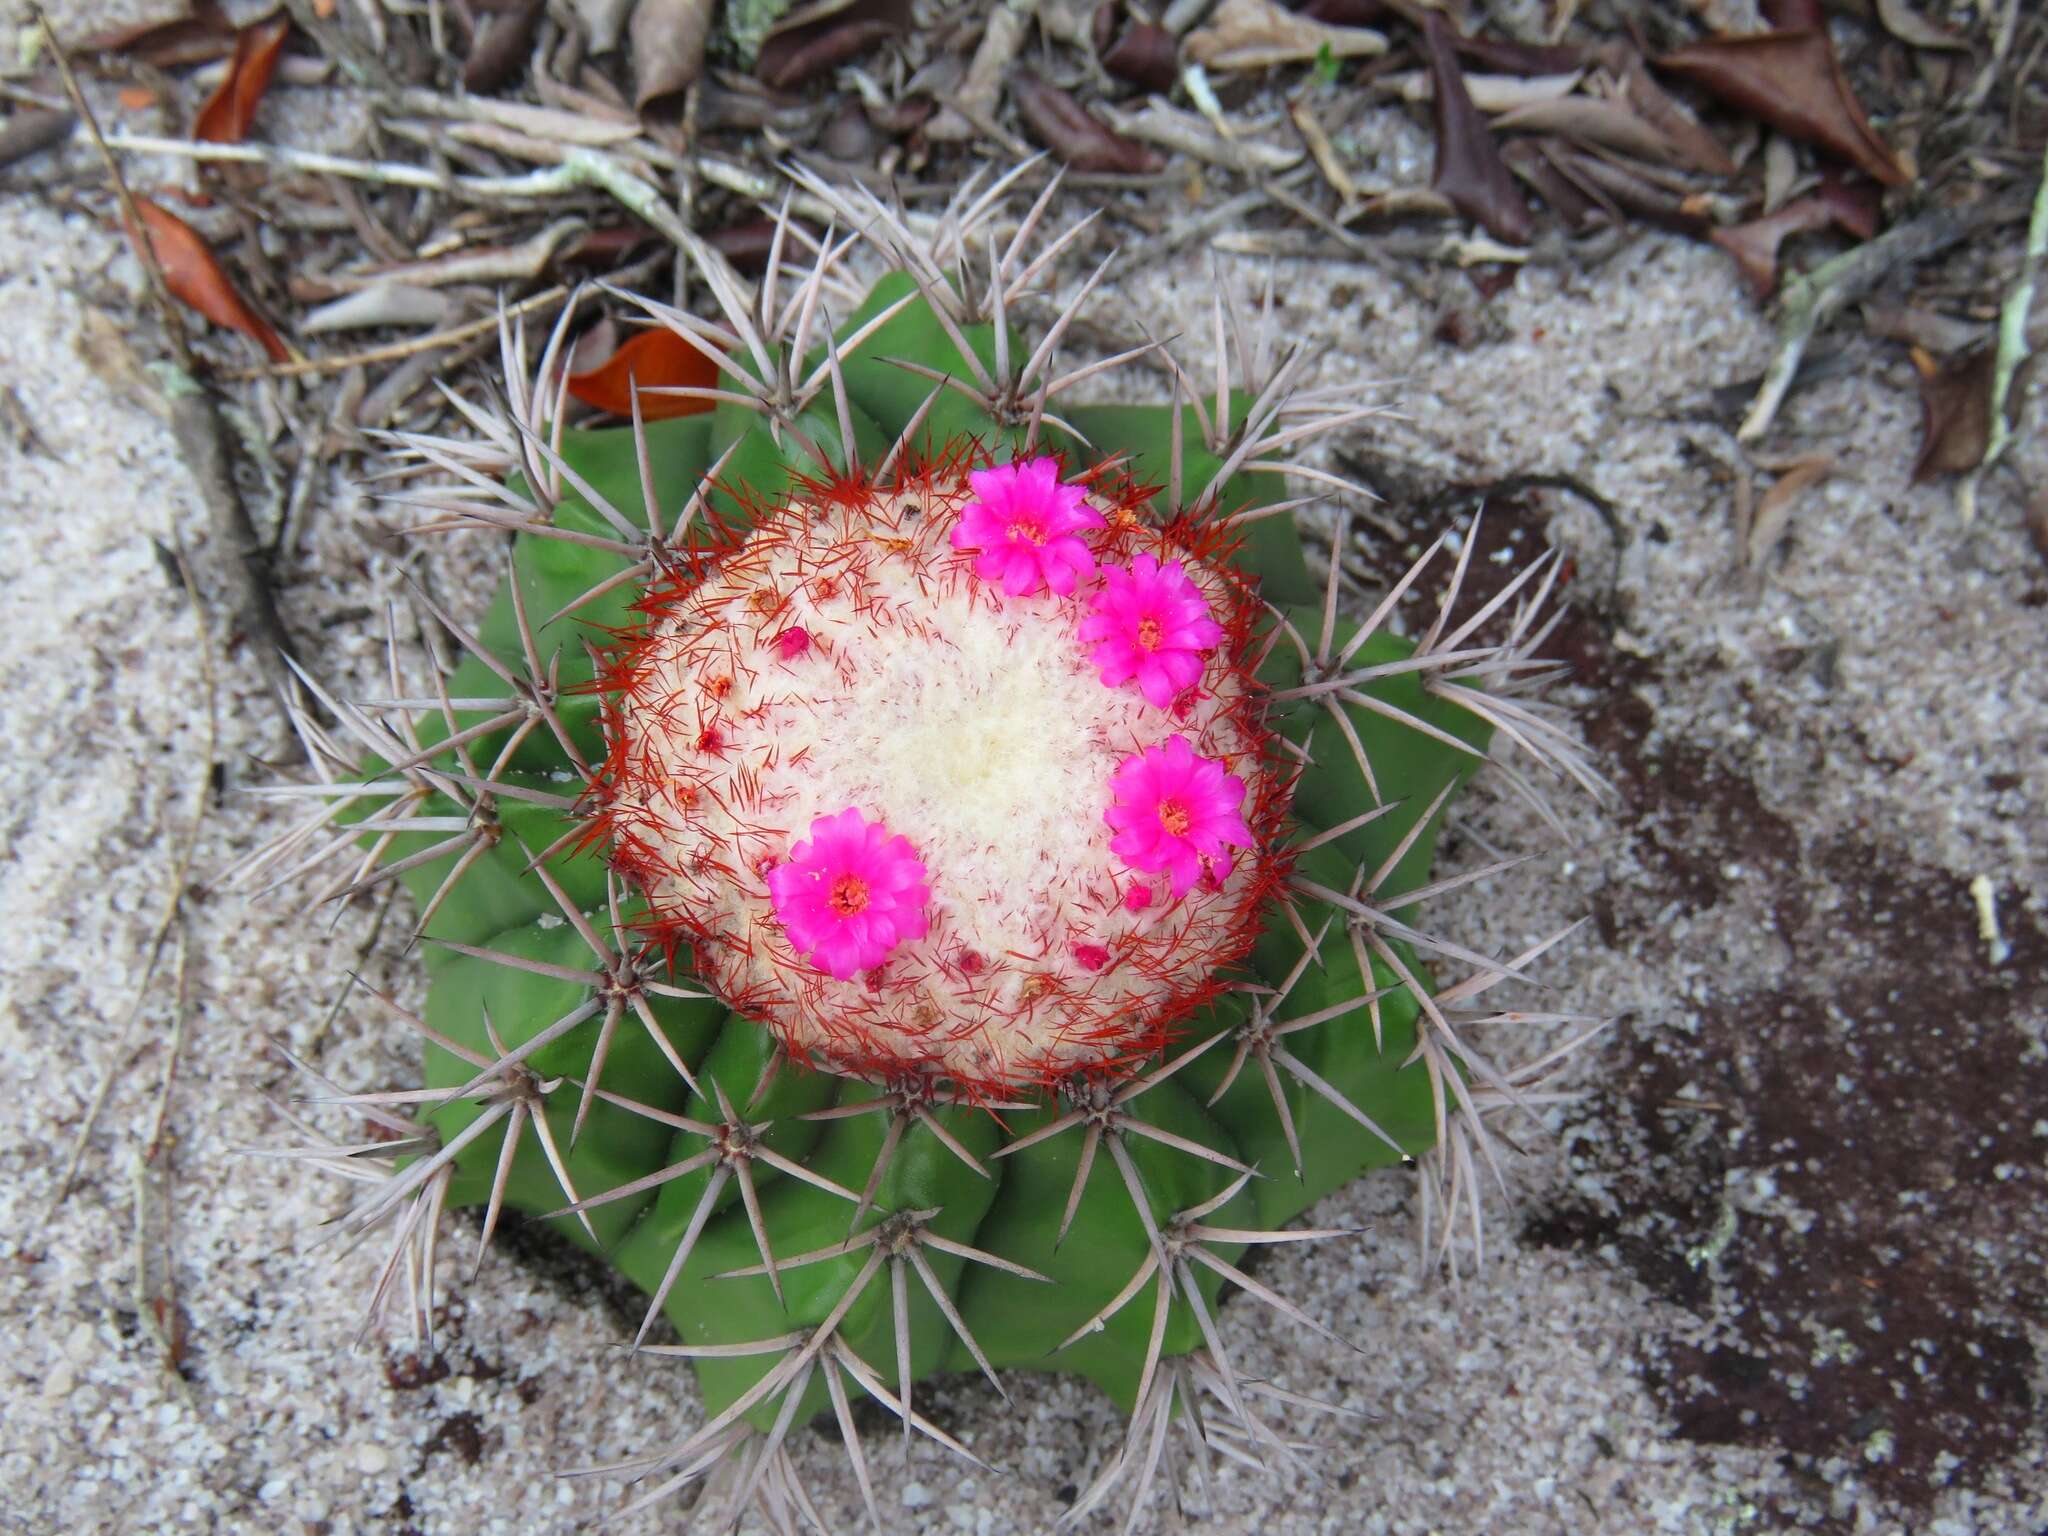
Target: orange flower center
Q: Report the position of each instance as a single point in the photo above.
(1149, 634)
(849, 896)
(1174, 817)
(1030, 533)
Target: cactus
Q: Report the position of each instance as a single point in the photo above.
(911, 869)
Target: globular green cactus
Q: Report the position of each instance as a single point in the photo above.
(912, 870)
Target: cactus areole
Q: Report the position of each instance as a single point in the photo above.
(915, 872)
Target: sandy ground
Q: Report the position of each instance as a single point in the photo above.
(1781, 1267)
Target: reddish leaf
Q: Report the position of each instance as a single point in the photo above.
(656, 358)
(1794, 15)
(792, 55)
(199, 37)
(1143, 53)
(1063, 126)
(195, 278)
(1343, 13)
(498, 54)
(1855, 205)
(1794, 82)
(1469, 169)
(1501, 56)
(226, 117)
(1955, 415)
(1755, 245)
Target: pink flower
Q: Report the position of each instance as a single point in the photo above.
(1026, 523)
(1174, 810)
(851, 894)
(1152, 624)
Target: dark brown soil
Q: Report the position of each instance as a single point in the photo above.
(1839, 1176)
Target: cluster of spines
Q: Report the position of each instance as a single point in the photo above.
(450, 782)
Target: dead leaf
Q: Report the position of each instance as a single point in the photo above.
(746, 244)
(32, 130)
(1692, 143)
(1920, 327)
(1344, 13)
(1626, 186)
(2037, 524)
(1794, 15)
(498, 54)
(1469, 169)
(1908, 26)
(1593, 120)
(666, 45)
(195, 278)
(1064, 126)
(1576, 209)
(1856, 206)
(656, 358)
(1774, 508)
(135, 98)
(1506, 57)
(793, 54)
(380, 305)
(1255, 34)
(226, 117)
(1955, 415)
(200, 36)
(1491, 94)
(1755, 245)
(1794, 82)
(1145, 54)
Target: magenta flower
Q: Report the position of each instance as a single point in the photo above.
(1175, 810)
(1026, 524)
(850, 894)
(1152, 623)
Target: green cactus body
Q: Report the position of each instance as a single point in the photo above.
(817, 1221)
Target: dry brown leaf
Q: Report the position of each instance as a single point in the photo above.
(1593, 120)
(196, 278)
(200, 36)
(1955, 415)
(793, 54)
(1145, 54)
(1575, 207)
(1469, 169)
(1255, 34)
(1065, 127)
(32, 130)
(667, 49)
(1774, 508)
(226, 117)
(1920, 327)
(1755, 245)
(499, 53)
(1794, 82)
(1507, 57)
(1693, 144)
